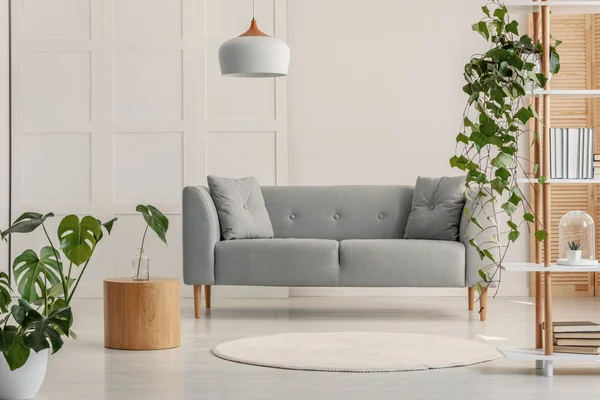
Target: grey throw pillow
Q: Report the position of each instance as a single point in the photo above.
(241, 208)
(437, 208)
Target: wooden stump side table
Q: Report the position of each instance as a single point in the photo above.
(141, 315)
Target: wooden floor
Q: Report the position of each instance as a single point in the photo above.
(84, 369)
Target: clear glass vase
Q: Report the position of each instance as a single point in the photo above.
(577, 239)
(140, 266)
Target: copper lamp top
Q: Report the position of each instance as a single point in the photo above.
(254, 30)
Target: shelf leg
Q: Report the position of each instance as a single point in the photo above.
(539, 332)
(539, 364)
(547, 188)
(548, 339)
(548, 368)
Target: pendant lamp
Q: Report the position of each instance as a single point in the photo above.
(254, 54)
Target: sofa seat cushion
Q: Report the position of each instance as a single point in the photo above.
(402, 263)
(277, 262)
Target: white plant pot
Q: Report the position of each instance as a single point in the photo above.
(574, 255)
(25, 382)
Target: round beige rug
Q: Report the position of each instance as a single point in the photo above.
(356, 351)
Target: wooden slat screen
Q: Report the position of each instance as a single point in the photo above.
(576, 32)
(594, 59)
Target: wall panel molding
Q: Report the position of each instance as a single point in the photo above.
(129, 93)
(4, 130)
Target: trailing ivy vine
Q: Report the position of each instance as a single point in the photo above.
(495, 118)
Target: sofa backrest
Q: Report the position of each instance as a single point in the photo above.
(338, 212)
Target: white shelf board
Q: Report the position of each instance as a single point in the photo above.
(556, 6)
(564, 181)
(533, 267)
(537, 354)
(567, 93)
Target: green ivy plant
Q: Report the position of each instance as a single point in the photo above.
(495, 119)
(154, 220)
(42, 314)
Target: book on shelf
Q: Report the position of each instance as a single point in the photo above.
(577, 342)
(577, 335)
(572, 153)
(574, 326)
(577, 350)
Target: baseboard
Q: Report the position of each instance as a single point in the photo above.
(241, 292)
(259, 292)
(250, 292)
(375, 292)
(398, 292)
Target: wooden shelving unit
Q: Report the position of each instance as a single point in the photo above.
(543, 361)
(542, 268)
(532, 267)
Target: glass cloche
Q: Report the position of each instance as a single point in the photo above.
(577, 239)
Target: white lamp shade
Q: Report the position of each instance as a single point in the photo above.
(254, 57)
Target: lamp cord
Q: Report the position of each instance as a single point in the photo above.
(253, 8)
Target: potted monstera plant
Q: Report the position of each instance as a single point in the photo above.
(494, 123)
(33, 325)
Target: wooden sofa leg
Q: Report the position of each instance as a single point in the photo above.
(207, 289)
(483, 300)
(471, 298)
(197, 300)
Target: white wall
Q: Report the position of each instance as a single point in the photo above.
(375, 95)
(375, 88)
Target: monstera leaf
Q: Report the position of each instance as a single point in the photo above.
(62, 303)
(78, 238)
(28, 222)
(13, 346)
(55, 297)
(5, 290)
(55, 293)
(7, 337)
(108, 225)
(33, 273)
(42, 332)
(155, 220)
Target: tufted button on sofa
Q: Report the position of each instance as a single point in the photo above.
(346, 236)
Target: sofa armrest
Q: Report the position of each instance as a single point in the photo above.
(469, 230)
(201, 232)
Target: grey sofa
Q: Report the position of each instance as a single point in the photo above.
(336, 236)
